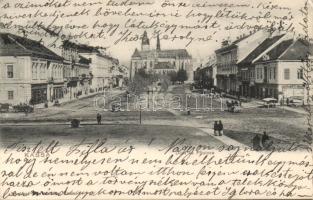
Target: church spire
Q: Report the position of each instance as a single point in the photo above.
(145, 43)
(158, 43)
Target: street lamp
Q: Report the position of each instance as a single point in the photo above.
(140, 114)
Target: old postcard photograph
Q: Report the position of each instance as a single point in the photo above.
(156, 99)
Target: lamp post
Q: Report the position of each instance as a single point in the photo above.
(148, 98)
(211, 103)
(153, 89)
(140, 114)
(222, 104)
(127, 107)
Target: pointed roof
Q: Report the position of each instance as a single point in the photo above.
(290, 50)
(145, 39)
(158, 47)
(136, 54)
(13, 45)
(169, 53)
(298, 51)
(83, 48)
(260, 49)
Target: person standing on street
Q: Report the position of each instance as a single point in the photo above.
(99, 118)
(215, 127)
(220, 128)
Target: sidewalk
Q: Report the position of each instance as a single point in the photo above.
(203, 127)
(255, 103)
(294, 110)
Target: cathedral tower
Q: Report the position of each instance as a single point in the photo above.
(158, 43)
(145, 43)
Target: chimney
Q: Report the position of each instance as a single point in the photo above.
(225, 43)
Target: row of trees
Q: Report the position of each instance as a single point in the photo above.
(142, 80)
(179, 76)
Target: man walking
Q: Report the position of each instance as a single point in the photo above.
(99, 118)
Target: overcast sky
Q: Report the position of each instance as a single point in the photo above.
(198, 49)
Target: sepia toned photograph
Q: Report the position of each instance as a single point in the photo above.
(148, 99)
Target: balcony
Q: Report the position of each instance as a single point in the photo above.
(50, 80)
(71, 79)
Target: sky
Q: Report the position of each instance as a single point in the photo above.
(200, 49)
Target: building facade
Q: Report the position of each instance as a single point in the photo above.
(280, 72)
(160, 61)
(101, 67)
(26, 70)
(228, 57)
(205, 76)
(76, 71)
(246, 68)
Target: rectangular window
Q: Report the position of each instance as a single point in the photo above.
(257, 73)
(287, 74)
(34, 70)
(10, 95)
(274, 73)
(42, 71)
(10, 71)
(300, 74)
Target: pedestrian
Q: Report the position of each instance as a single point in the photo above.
(99, 118)
(220, 128)
(256, 143)
(266, 142)
(264, 137)
(215, 128)
(287, 101)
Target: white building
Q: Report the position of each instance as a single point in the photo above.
(230, 54)
(280, 72)
(100, 67)
(26, 71)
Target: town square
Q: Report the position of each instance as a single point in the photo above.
(156, 99)
(160, 96)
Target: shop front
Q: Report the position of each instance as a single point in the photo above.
(58, 92)
(38, 93)
(266, 90)
(292, 90)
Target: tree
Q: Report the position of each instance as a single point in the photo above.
(165, 82)
(138, 84)
(142, 72)
(182, 75)
(173, 77)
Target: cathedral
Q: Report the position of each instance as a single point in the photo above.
(160, 61)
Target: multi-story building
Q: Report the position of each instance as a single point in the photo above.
(230, 55)
(26, 71)
(101, 66)
(246, 68)
(76, 71)
(279, 73)
(160, 61)
(205, 75)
